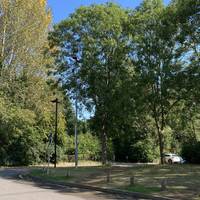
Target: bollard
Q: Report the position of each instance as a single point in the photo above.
(132, 180)
(68, 174)
(164, 184)
(108, 178)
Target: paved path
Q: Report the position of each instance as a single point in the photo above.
(13, 189)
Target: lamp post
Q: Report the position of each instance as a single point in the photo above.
(75, 133)
(56, 131)
(76, 121)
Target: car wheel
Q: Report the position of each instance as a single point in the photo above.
(170, 161)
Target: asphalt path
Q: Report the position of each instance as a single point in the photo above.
(12, 188)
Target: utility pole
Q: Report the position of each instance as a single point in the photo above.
(75, 133)
(76, 120)
(56, 131)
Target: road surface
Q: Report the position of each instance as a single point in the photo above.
(15, 189)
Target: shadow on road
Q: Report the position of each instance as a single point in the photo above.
(14, 174)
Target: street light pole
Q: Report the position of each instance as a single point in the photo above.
(75, 133)
(56, 131)
(76, 122)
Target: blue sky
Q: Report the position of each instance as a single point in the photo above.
(62, 8)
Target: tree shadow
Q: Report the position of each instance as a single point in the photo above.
(14, 174)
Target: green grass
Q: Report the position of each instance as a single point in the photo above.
(142, 189)
(51, 177)
(63, 174)
(181, 179)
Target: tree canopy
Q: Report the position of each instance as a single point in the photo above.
(135, 67)
(26, 116)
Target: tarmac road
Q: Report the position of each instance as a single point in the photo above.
(14, 189)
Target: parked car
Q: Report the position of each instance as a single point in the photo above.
(171, 158)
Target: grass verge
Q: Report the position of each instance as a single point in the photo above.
(183, 181)
(142, 189)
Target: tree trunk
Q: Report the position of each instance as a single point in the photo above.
(161, 147)
(160, 138)
(104, 144)
(3, 42)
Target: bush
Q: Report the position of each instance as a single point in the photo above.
(20, 140)
(191, 152)
(89, 147)
(142, 151)
(25, 150)
(135, 151)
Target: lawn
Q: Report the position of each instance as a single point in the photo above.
(182, 181)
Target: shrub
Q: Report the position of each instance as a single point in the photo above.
(191, 152)
(142, 151)
(89, 147)
(135, 151)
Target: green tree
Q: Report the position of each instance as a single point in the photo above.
(24, 92)
(137, 70)
(156, 56)
(91, 52)
(165, 53)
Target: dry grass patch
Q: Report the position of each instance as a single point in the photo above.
(182, 181)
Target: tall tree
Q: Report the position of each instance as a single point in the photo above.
(23, 78)
(91, 50)
(153, 54)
